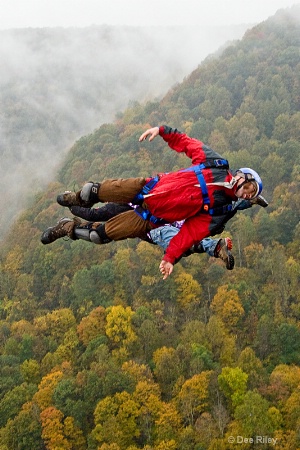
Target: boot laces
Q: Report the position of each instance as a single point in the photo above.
(70, 197)
(224, 245)
(61, 230)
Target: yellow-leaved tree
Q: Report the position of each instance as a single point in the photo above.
(167, 368)
(139, 372)
(119, 328)
(193, 396)
(43, 397)
(92, 325)
(227, 305)
(188, 290)
(116, 420)
(55, 324)
(60, 433)
(52, 429)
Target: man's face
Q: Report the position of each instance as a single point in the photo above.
(247, 191)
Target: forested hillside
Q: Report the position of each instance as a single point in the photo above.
(57, 84)
(98, 352)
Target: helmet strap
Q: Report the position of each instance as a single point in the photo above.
(233, 182)
(241, 185)
(246, 180)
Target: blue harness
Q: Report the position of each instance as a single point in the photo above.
(215, 163)
(139, 198)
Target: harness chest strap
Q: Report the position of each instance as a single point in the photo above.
(216, 163)
(139, 198)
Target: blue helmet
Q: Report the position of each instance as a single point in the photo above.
(252, 177)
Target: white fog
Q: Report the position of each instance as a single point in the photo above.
(57, 84)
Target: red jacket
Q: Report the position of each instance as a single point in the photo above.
(178, 196)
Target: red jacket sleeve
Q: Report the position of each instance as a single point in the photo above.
(181, 142)
(192, 231)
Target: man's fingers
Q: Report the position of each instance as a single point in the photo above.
(153, 132)
(143, 136)
(166, 269)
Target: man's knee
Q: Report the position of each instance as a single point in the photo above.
(99, 236)
(92, 232)
(89, 192)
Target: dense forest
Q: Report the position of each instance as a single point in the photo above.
(58, 84)
(97, 351)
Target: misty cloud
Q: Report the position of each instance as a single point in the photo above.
(58, 84)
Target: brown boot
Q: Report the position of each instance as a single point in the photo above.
(64, 227)
(86, 197)
(69, 198)
(223, 251)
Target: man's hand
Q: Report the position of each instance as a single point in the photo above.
(153, 132)
(166, 269)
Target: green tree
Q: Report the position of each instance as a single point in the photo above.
(252, 366)
(24, 430)
(256, 417)
(68, 398)
(233, 383)
(94, 284)
(13, 400)
(149, 338)
(30, 370)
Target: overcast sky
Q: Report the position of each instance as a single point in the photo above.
(80, 13)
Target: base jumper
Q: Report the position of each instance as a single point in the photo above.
(161, 236)
(202, 195)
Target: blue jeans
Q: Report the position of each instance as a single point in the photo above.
(162, 236)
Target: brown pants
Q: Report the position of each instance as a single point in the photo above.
(128, 224)
(120, 190)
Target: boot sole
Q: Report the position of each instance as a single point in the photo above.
(45, 237)
(61, 201)
(230, 261)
